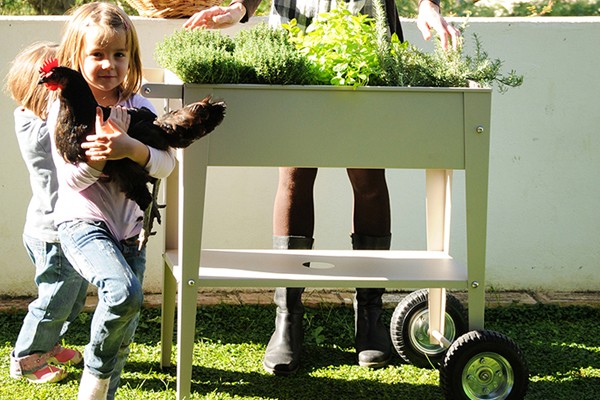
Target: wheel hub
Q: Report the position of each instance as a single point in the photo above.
(419, 333)
(488, 376)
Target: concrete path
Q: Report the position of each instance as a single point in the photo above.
(314, 297)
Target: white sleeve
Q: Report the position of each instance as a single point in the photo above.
(161, 162)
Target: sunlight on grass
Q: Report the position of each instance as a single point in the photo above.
(227, 358)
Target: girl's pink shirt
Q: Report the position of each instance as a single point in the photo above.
(82, 195)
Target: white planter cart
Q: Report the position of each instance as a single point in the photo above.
(435, 129)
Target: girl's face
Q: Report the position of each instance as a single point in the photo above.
(105, 63)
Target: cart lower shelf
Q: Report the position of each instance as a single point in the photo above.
(325, 268)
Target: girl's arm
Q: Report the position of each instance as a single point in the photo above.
(111, 142)
(161, 162)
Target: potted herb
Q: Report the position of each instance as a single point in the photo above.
(338, 48)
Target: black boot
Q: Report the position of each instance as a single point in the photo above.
(282, 356)
(372, 338)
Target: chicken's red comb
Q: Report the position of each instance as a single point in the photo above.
(48, 65)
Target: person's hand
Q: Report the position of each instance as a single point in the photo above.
(430, 18)
(111, 141)
(216, 17)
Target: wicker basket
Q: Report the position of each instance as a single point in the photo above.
(170, 8)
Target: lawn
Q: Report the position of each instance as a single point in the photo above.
(561, 345)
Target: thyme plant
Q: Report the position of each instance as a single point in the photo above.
(199, 56)
(270, 57)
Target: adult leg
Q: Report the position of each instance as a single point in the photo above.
(294, 210)
(293, 224)
(371, 213)
(371, 231)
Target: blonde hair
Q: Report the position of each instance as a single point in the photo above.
(22, 78)
(111, 20)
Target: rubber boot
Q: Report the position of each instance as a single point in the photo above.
(372, 339)
(282, 356)
(91, 387)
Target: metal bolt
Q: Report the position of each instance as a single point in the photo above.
(147, 90)
(191, 282)
(474, 284)
(480, 129)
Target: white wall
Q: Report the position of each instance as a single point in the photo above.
(543, 224)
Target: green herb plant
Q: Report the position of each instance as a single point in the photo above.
(338, 48)
(357, 50)
(449, 67)
(342, 47)
(200, 56)
(271, 57)
(258, 55)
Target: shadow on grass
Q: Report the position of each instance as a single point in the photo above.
(300, 386)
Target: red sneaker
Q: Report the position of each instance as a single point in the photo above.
(48, 374)
(64, 356)
(35, 369)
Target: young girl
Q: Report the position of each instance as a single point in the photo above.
(97, 224)
(61, 290)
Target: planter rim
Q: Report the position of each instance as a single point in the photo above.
(338, 88)
(168, 77)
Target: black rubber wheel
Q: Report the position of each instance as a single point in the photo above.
(410, 323)
(484, 365)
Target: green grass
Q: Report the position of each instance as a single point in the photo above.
(561, 345)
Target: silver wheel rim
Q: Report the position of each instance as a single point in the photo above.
(487, 376)
(419, 336)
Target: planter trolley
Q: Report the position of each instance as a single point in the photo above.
(435, 129)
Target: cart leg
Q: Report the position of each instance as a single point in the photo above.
(438, 198)
(167, 318)
(169, 290)
(192, 189)
(185, 338)
(477, 143)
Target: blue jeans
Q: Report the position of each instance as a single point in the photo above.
(117, 270)
(61, 297)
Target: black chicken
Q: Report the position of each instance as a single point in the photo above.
(77, 117)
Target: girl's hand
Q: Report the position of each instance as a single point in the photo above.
(216, 17)
(430, 18)
(111, 141)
